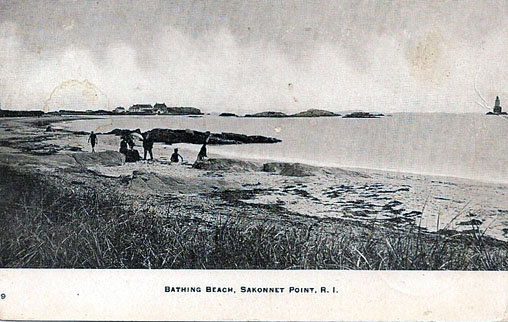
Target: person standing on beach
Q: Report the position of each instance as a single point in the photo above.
(92, 139)
(202, 152)
(148, 145)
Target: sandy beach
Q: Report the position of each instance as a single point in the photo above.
(442, 223)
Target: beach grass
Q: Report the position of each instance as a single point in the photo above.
(51, 227)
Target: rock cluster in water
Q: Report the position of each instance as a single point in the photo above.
(362, 115)
(308, 113)
(313, 113)
(267, 114)
(170, 136)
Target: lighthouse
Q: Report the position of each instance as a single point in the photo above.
(497, 106)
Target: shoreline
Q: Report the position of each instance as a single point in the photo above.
(438, 175)
(292, 198)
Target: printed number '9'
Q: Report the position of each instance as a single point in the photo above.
(3, 296)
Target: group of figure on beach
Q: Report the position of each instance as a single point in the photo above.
(131, 155)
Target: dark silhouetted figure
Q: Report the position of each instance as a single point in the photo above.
(92, 139)
(202, 152)
(175, 156)
(123, 146)
(130, 142)
(148, 146)
(132, 156)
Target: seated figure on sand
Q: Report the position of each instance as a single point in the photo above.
(131, 155)
(123, 145)
(176, 156)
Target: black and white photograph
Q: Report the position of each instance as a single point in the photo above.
(254, 135)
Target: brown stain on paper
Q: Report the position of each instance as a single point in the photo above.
(427, 60)
(88, 90)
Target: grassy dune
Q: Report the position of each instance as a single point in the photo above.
(46, 226)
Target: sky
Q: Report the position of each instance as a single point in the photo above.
(250, 56)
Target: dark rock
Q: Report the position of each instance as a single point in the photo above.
(230, 165)
(73, 148)
(362, 115)
(184, 110)
(197, 137)
(81, 132)
(314, 113)
(267, 114)
(123, 132)
(228, 114)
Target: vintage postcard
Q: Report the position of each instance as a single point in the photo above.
(254, 160)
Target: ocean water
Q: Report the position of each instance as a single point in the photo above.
(472, 146)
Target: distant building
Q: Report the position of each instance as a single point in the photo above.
(497, 106)
(119, 110)
(133, 108)
(141, 108)
(160, 108)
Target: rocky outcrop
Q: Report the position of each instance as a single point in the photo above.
(170, 136)
(105, 158)
(267, 114)
(183, 110)
(314, 113)
(233, 165)
(123, 132)
(309, 113)
(363, 115)
(228, 115)
(230, 165)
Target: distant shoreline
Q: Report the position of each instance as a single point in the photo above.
(305, 114)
